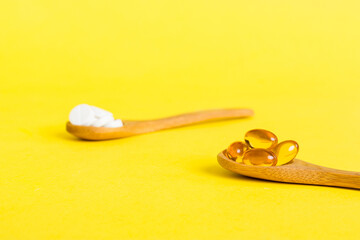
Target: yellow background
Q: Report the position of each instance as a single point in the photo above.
(296, 63)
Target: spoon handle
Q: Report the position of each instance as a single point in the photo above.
(347, 179)
(192, 118)
(328, 176)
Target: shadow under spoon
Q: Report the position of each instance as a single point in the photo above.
(296, 171)
(131, 128)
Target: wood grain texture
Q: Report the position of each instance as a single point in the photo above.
(132, 128)
(297, 171)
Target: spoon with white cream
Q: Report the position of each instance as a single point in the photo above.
(93, 123)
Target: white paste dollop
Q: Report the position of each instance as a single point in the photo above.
(86, 115)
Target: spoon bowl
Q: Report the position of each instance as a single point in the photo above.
(296, 171)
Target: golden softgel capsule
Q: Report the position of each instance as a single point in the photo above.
(236, 150)
(286, 151)
(259, 157)
(260, 138)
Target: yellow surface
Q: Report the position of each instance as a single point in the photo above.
(296, 63)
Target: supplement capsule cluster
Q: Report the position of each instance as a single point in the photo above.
(261, 148)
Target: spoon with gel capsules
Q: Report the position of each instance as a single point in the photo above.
(93, 123)
(260, 156)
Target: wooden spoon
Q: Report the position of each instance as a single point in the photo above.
(296, 171)
(132, 128)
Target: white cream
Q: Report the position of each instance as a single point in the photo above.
(86, 115)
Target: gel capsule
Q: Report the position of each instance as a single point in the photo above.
(260, 157)
(236, 150)
(286, 151)
(260, 138)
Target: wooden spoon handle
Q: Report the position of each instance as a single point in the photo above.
(348, 180)
(191, 118)
(338, 178)
(320, 175)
